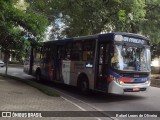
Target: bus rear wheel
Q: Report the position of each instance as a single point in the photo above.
(38, 76)
(84, 87)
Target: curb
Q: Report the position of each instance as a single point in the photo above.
(16, 65)
(45, 89)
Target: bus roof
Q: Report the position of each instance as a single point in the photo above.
(100, 37)
(131, 34)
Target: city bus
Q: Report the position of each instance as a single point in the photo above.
(112, 62)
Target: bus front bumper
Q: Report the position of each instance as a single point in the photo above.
(117, 88)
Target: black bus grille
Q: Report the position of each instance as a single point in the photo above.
(131, 90)
(135, 75)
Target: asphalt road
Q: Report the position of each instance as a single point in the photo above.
(148, 101)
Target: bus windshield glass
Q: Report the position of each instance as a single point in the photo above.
(131, 58)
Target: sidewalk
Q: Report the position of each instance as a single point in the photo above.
(18, 96)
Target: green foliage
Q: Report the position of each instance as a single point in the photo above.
(85, 17)
(14, 24)
(152, 20)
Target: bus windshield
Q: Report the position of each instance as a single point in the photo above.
(131, 58)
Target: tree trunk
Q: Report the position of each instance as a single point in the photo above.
(6, 67)
(31, 61)
(6, 60)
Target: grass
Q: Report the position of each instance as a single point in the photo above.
(45, 89)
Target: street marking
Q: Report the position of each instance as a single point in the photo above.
(74, 104)
(78, 106)
(95, 108)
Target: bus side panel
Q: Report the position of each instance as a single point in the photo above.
(73, 74)
(78, 67)
(36, 64)
(66, 71)
(45, 69)
(26, 65)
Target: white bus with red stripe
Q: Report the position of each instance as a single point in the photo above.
(111, 62)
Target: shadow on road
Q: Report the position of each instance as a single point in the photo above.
(93, 96)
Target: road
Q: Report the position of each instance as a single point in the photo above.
(148, 101)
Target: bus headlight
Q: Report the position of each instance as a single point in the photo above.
(147, 82)
(118, 81)
(121, 82)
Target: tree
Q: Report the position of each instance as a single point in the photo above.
(85, 17)
(152, 21)
(14, 24)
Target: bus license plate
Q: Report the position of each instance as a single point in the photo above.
(136, 89)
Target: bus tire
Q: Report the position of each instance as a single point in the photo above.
(84, 86)
(38, 75)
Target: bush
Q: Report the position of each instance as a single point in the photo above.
(155, 70)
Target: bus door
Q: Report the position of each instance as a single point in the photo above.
(57, 63)
(45, 71)
(102, 66)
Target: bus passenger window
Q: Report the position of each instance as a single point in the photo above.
(67, 56)
(61, 52)
(90, 56)
(88, 51)
(77, 51)
(68, 51)
(84, 55)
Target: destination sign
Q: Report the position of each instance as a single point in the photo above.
(134, 40)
